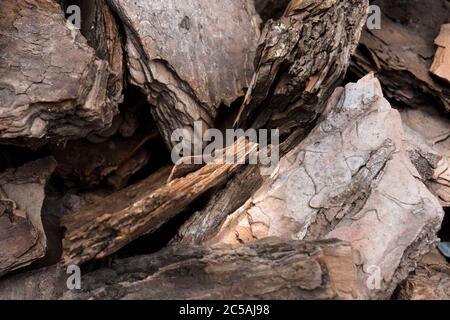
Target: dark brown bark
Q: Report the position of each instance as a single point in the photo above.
(268, 269)
(109, 224)
(401, 52)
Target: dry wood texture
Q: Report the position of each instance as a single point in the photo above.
(268, 269)
(402, 50)
(189, 56)
(52, 85)
(299, 62)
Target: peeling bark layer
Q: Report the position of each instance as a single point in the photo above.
(349, 179)
(106, 226)
(271, 9)
(441, 62)
(189, 56)
(401, 52)
(22, 236)
(300, 60)
(430, 281)
(268, 269)
(52, 85)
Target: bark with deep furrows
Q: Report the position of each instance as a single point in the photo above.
(52, 84)
(300, 60)
(268, 269)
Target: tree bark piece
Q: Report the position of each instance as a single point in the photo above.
(271, 9)
(189, 56)
(52, 85)
(401, 52)
(106, 226)
(268, 269)
(299, 62)
(430, 281)
(427, 140)
(346, 180)
(441, 63)
(22, 236)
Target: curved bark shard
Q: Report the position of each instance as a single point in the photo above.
(22, 236)
(189, 56)
(299, 61)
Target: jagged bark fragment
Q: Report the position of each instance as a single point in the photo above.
(430, 281)
(106, 226)
(22, 237)
(189, 56)
(441, 63)
(401, 51)
(52, 85)
(268, 269)
(427, 141)
(349, 179)
(299, 62)
(271, 9)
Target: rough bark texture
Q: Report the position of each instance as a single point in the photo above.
(106, 226)
(430, 281)
(441, 62)
(401, 51)
(427, 141)
(22, 236)
(83, 163)
(299, 61)
(268, 269)
(346, 180)
(189, 56)
(52, 85)
(292, 41)
(271, 9)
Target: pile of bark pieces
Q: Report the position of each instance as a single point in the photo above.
(354, 208)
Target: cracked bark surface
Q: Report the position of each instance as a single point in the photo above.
(22, 236)
(267, 269)
(83, 163)
(346, 180)
(106, 226)
(52, 85)
(300, 59)
(441, 62)
(401, 52)
(189, 56)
